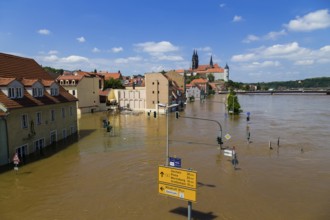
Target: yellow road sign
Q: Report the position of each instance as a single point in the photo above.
(178, 177)
(177, 192)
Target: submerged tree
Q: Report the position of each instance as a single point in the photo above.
(233, 105)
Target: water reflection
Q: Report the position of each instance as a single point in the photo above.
(113, 175)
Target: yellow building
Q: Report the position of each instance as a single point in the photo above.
(34, 110)
(85, 87)
(161, 89)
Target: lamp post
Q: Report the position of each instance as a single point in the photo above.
(166, 107)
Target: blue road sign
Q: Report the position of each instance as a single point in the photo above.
(175, 162)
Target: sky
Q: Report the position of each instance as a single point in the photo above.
(261, 41)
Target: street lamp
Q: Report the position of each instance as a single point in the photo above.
(166, 107)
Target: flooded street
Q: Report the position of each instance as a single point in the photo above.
(115, 175)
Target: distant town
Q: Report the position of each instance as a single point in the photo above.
(40, 106)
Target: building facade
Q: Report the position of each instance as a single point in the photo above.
(85, 87)
(34, 110)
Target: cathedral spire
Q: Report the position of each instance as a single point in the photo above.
(195, 60)
(211, 62)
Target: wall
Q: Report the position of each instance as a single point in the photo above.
(3, 143)
(18, 136)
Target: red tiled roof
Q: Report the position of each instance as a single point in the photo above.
(104, 92)
(29, 82)
(27, 71)
(108, 76)
(198, 81)
(5, 81)
(70, 77)
(21, 67)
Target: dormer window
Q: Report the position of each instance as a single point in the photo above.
(61, 82)
(73, 82)
(15, 90)
(54, 91)
(36, 90)
(67, 82)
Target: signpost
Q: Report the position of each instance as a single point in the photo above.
(227, 136)
(175, 162)
(228, 153)
(16, 161)
(177, 177)
(177, 192)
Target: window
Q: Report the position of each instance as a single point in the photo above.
(22, 151)
(40, 92)
(52, 115)
(34, 92)
(53, 91)
(73, 82)
(73, 92)
(24, 121)
(61, 82)
(19, 92)
(63, 112)
(15, 92)
(39, 144)
(38, 118)
(11, 92)
(67, 82)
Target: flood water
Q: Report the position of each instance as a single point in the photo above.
(115, 175)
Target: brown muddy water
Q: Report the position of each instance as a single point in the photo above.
(115, 175)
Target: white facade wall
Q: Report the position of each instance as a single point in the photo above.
(193, 92)
(133, 99)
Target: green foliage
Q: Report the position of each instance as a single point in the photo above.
(210, 77)
(113, 83)
(233, 105)
(53, 70)
(321, 82)
(191, 78)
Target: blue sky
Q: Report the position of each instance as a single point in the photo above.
(260, 40)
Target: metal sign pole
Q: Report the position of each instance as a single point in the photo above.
(189, 210)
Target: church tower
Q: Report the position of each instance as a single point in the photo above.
(194, 60)
(226, 73)
(211, 62)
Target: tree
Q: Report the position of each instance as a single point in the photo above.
(210, 77)
(233, 105)
(113, 83)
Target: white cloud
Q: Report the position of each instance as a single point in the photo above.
(304, 62)
(279, 49)
(222, 5)
(156, 48)
(170, 58)
(251, 38)
(273, 35)
(73, 59)
(315, 20)
(44, 32)
(205, 49)
(96, 50)
(51, 58)
(117, 49)
(243, 57)
(127, 60)
(325, 48)
(53, 52)
(266, 63)
(237, 18)
(81, 39)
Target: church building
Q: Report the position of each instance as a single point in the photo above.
(206, 69)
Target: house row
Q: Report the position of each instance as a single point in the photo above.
(35, 111)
